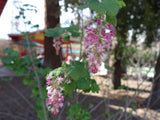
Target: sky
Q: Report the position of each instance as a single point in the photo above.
(7, 18)
(9, 12)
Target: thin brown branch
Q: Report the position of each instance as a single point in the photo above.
(37, 77)
(20, 94)
(95, 107)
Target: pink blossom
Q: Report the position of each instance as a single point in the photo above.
(94, 69)
(57, 44)
(89, 24)
(49, 81)
(103, 32)
(96, 42)
(48, 101)
(54, 93)
(100, 48)
(61, 88)
(60, 79)
(98, 22)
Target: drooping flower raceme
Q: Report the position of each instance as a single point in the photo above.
(96, 42)
(54, 92)
(57, 45)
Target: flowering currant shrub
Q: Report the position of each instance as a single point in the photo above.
(54, 93)
(64, 80)
(97, 42)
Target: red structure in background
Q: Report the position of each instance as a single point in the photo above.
(38, 38)
(19, 40)
(2, 4)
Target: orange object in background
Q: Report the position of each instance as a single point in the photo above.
(37, 37)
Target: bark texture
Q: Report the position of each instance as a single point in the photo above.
(117, 69)
(155, 97)
(51, 20)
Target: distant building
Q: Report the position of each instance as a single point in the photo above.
(37, 40)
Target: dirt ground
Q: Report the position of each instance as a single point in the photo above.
(16, 104)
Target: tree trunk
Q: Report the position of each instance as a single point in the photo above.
(51, 20)
(155, 97)
(117, 68)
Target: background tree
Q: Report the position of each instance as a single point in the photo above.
(142, 18)
(122, 34)
(52, 19)
(152, 27)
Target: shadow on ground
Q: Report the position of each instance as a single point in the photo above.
(16, 104)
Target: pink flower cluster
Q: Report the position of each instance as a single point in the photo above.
(96, 42)
(57, 44)
(54, 92)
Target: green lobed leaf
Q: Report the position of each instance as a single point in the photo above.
(85, 115)
(7, 60)
(54, 32)
(76, 70)
(10, 51)
(111, 7)
(57, 31)
(74, 109)
(121, 3)
(83, 83)
(78, 113)
(19, 72)
(56, 72)
(94, 86)
(66, 38)
(69, 88)
(74, 30)
(111, 19)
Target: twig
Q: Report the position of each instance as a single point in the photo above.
(85, 97)
(108, 102)
(70, 46)
(37, 77)
(59, 116)
(114, 118)
(82, 35)
(13, 116)
(97, 118)
(132, 99)
(18, 92)
(95, 107)
(151, 93)
(125, 110)
(28, 117)
(35, 72)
